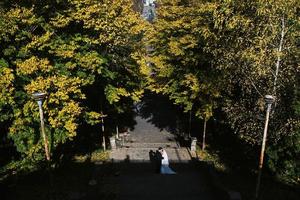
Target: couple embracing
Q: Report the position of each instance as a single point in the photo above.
(162, 162)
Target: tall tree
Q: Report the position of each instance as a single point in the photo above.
(237, 50)
(62, 48)
(178, 65)
(256, 49)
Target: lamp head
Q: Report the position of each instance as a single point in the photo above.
(39, 96)
(269, 99)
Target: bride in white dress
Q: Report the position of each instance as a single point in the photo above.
(165, 169)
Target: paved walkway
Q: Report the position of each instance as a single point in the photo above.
(145, 132)
(135, 176)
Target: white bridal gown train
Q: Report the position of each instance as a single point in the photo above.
(165, 169)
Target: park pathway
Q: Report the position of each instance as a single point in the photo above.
(135, 177)
(146, 137)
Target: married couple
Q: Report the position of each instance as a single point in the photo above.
(162, 162)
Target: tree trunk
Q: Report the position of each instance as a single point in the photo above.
(190, 123)
(103, 136)
(279, 55)
(117, 132)
(204, 132)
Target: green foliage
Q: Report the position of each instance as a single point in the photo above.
(6, 86)
(214, 158)
(14, 167)
(62, 48)
(257, 51)
(250, 44)
(199, 51)
(284, 158)
(96, 156)
(178, 66)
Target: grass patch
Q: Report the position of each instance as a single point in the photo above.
(96, 156)
(100, 155)
(213, 157)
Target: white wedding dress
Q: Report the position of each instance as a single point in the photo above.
(165, 169)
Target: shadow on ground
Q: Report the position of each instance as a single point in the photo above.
(161, 112)
(126, 180)
(130, 180)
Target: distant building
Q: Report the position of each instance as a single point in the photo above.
(148, 2)
(149, 10)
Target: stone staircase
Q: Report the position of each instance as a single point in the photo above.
(142, 154)
(145, 137)
(140, 151)
(151, 145)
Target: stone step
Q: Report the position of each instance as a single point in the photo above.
(150, 145)
(176, 155)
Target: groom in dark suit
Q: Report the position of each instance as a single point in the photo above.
(158, 158)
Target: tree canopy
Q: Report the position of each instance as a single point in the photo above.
(227, 55)
(62, 48)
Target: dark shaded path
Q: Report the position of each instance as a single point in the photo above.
(136, 181)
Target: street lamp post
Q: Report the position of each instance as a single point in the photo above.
(39, 97)
(269, 100)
